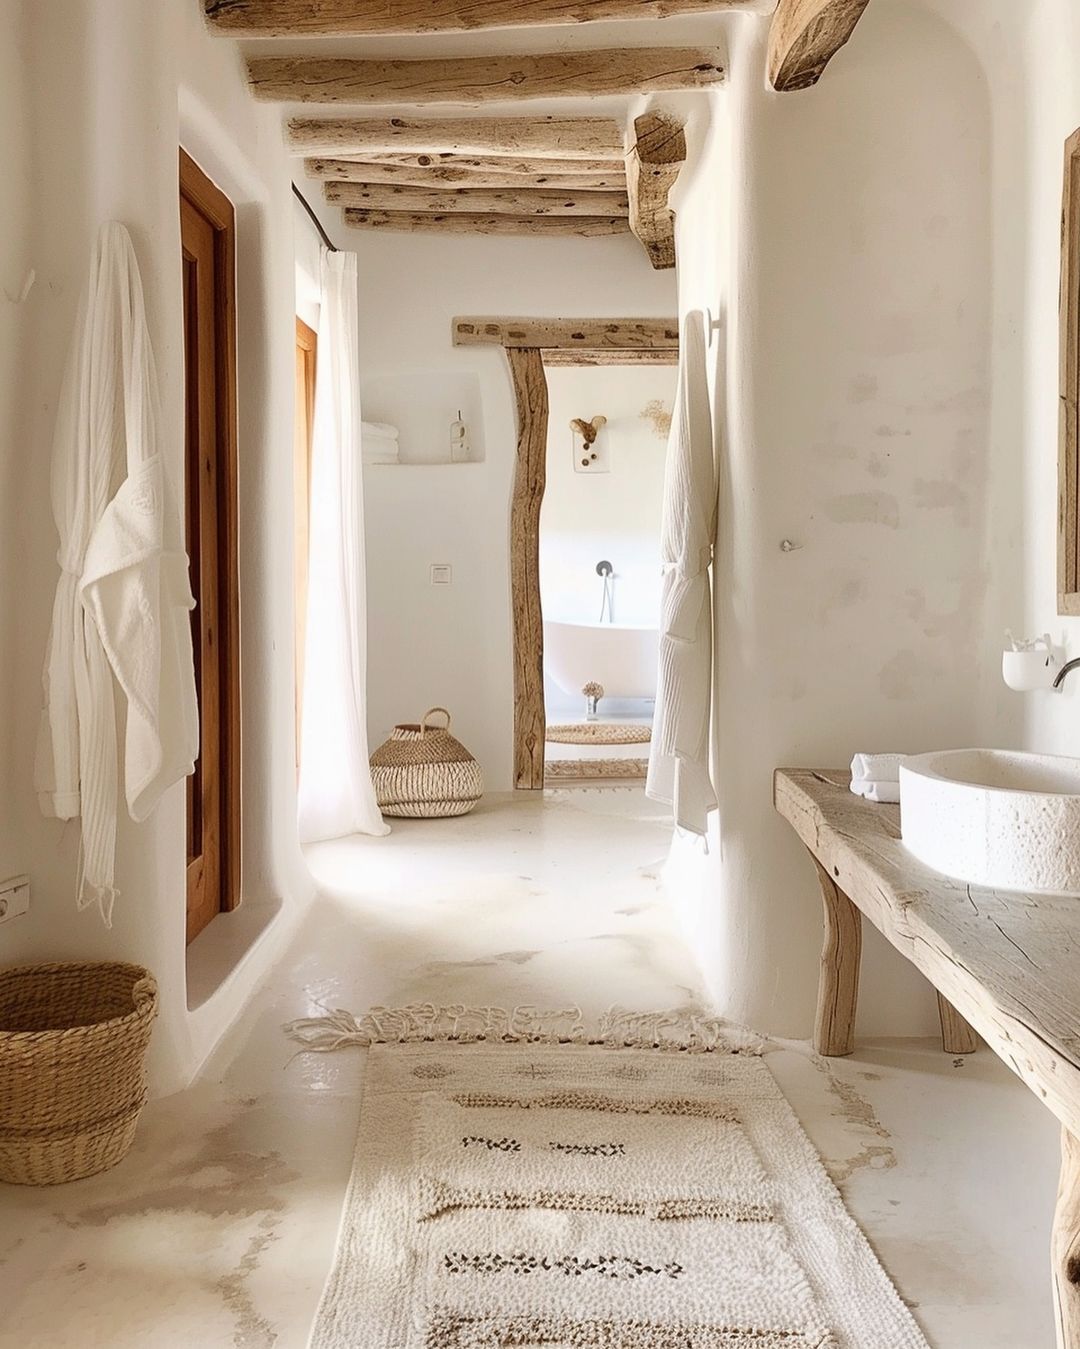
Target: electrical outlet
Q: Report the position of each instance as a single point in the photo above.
(442, 574)
(14, 897)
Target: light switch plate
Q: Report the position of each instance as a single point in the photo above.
(442, 574)
(14, 897)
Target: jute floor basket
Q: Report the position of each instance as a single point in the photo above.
(73, 1041)
(424, 772)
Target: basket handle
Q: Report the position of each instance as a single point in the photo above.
(429, 713)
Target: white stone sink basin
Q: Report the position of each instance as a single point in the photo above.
(997, 818)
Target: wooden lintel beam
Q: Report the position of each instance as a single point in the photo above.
(361, 18)
(536, 226)
(555, 334)
(804, 36)
(483, 79)
(519, 201)
(439, 176)
(520, 165)
(585, 138)
(652, 168)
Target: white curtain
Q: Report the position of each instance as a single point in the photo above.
(336, 796)
(679, 767)
(123, 600)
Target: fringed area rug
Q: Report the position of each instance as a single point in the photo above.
(522, 1181)
(599, 733)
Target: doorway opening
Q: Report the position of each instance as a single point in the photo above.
(208, 240)
(303, 430)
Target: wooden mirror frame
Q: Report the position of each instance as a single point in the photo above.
(531, 345)
(1069, 432)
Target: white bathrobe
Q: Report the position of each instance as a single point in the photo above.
(123, 599)
(679, 759)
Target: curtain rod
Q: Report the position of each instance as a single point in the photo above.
(314, 218)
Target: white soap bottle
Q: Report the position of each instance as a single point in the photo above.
(459, 441)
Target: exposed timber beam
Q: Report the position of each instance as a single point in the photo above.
(483, 79)
(361, 18)
(426, 222)
(587, 138)
(527, 166)
(518, 201)
(441, 176)
(652, 168)
(590, 335)
(804, 36)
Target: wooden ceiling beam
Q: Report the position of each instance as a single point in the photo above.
(587, 138)
(362, 18)
(652, 169)
(554, 334)
(483, 79)
(425, 222)
(519, 201)
(441, 175)
(804, 36)
(519, 165)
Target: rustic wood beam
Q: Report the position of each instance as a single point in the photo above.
(805, 35)
(483, 79)
(440, 175)
(427, 222)
(361, 18)
(1065, 1245)
(591, 335)
(587, 138)
(652, 169)
(636, 356)
(522, 165)
(519, 201)
(530, 473)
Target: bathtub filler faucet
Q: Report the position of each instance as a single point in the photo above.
(607, 600)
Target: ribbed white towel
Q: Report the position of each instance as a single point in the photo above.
(877, 767)
(885, 793)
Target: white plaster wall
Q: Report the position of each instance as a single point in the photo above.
(451, 645)
(107, 89)
(1052, 720)
(613, 515)
(872, 417)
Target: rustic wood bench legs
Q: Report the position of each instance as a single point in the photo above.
(1065, 1245)
(838, 983)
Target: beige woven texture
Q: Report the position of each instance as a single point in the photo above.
(73, 1041)
(423, 772)
(598, 733)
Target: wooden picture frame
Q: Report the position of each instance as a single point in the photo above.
(1069, 412)
(532, 344)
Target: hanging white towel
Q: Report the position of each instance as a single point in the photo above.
(123, 599)
(679, 760)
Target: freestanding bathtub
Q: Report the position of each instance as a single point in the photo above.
(621, 658)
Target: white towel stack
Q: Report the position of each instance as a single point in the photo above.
(877, 777)
(379, 443)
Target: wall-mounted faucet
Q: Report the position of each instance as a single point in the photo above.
(1069, 665)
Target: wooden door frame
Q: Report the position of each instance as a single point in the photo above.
(209, 201)
(531, 345)
(307, 343)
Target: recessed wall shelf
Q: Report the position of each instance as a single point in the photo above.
(424, 405)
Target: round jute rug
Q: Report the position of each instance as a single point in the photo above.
(599, 733)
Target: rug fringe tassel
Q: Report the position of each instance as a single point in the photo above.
(679, 1030)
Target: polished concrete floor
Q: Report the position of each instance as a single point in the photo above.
(219, 1228)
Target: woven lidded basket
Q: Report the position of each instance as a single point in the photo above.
(423, 772)
(73, 1041)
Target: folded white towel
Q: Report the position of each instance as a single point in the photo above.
(885, 793)
(877, 767)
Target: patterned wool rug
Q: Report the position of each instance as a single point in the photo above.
(599, 733)
(509, 1190)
